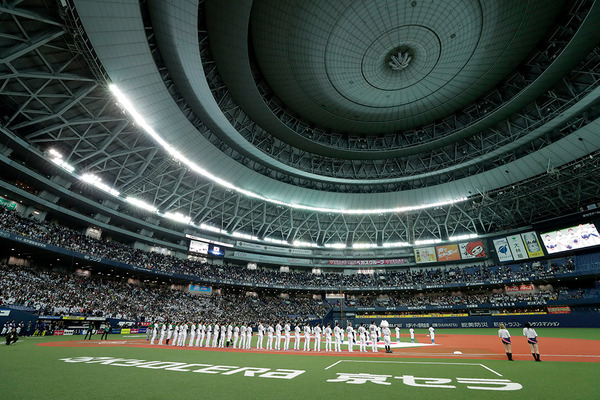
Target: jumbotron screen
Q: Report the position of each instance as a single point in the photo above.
(575, 237)
(217, 251)
(198, 247)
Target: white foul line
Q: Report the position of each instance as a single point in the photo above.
(414, 362)
(334, 364)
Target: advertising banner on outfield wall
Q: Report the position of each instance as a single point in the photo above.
(448, 252)
(519, 288)
(425, 255)
(368, 262)
(559, 310)
(532, 244)
(199, 289)
(270, 259)
(474, 249)
(273, 249)
(503, 250)
(517, 247)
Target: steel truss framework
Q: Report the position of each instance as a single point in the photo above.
(53, 94)
(480, 136)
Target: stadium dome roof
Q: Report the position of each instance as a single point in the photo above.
(319, 121)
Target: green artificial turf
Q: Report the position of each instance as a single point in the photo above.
(30, 372)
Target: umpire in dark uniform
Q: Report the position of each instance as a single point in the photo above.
(90, 331)
(106, 330)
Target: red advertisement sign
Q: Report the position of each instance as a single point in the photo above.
(448, 252)
(58, 333)
(521, 288)
(559, 310)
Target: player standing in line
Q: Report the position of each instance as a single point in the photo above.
(278, 336)
(261, 335)
(297, 333)
(216, 331)
(222, 336)
(163, 330)
(337, 333)
(183, 334)
(270, 331)
(412, 334)
(327, 332)
(248, 337)
(243, 336)
(397, 329)
(350, 333)
(505, 338)
(362, 337)
(198, 331)
(208, 334)
(229, 334)
(175, 335)
(373, 331)
(148, 331)
(202, 334)
(432, 334)
(169, 332)
(532, 341)
(154, 332)
(317, 337)
(387, 333)
(192, 334)
(286, 334)
(236, 336)
(306, 337)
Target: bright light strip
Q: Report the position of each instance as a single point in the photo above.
(211, 228)
(396, 244)
(335, 245)
(364, 245)
(141, 204)
(63, 164)
(175, 216)
(462, 237)
(97, 182)
(55, 153)
(139, 120)
(243, 235)
(298, 243)
(428, 241)
(278, 241)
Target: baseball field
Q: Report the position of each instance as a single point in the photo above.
(461, 364)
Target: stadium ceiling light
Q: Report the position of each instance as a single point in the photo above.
(396, 244)
(462, 237)
(97, 182)
(63, 164)
(175, 216)
(55, 153)
(299, 243)
(364, 245)
(244, 236)
(140, 121)
(428, 241)
(212, 228)
(278, 241)
(141, 204)
(335, 245)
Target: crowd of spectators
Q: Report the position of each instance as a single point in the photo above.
(445, 299)
(68, 238)
(59, 292)
(52, 292)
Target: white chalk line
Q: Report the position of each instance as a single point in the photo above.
(414, 362)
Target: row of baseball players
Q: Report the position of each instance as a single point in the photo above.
(240, 336)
